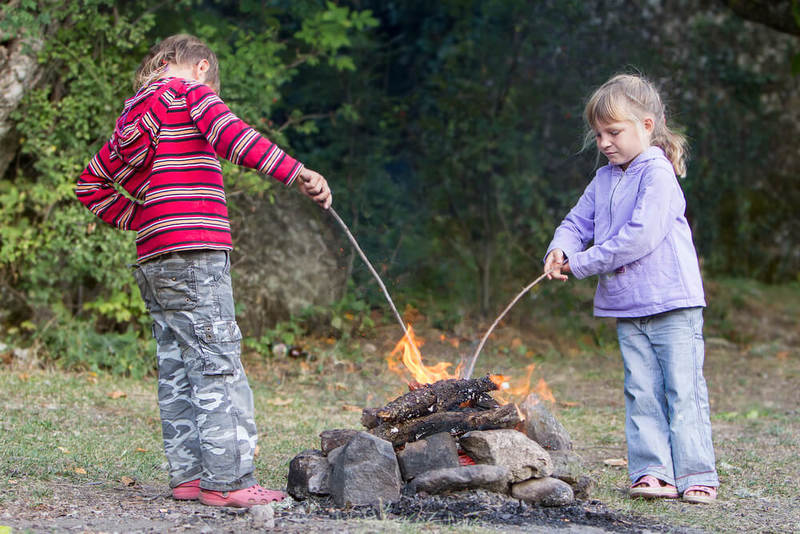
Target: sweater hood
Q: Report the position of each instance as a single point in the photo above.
(136, 129)
(649, 154)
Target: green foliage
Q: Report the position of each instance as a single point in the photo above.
(450, 132)
(70, 267)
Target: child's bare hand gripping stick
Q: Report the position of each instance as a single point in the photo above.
(556, 262)
(314, 185)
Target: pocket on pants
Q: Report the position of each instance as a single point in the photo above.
(220, 344)
(176, 287)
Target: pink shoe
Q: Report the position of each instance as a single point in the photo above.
(649, 487)
(188, 491)
(243, 498)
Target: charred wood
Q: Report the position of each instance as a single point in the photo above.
(455, 423)
(441, 396)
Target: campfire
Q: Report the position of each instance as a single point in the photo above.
(446, 434)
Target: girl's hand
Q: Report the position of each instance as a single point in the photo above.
(313, 185)
(555, 262)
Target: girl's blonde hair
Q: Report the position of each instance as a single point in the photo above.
(632, 97)
(180, 49)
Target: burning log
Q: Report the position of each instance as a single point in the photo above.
(507, 416)
(441, 396)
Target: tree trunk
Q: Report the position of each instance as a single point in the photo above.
(19, 73)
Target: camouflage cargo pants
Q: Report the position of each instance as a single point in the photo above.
(205, 401)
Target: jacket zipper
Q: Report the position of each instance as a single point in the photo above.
(611, 201)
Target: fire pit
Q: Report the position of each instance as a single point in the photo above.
(445, 435)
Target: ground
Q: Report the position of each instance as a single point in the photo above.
(80, 452)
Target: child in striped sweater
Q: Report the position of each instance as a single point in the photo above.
(163, 153)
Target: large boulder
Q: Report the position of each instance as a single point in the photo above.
(510, 448)
(365, 471)
(288, 255)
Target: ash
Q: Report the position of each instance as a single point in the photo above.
(489, 508)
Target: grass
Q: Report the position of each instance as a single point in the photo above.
(80, 429)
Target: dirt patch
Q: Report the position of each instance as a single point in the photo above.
(145, 509)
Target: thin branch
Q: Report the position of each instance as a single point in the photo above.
(301, 119)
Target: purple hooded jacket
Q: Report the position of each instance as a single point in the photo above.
(642, 248)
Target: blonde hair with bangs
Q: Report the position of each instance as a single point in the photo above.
(630, 97)
(181, 49)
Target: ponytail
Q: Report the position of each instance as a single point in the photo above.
(673, 144)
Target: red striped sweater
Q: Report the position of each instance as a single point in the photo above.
(163, 153)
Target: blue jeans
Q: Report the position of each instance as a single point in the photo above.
(667, 423)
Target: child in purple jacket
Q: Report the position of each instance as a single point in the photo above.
(642, 251)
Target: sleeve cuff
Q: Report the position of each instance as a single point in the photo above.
(293, 176)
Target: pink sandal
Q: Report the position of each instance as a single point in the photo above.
(188, 491)
(649, 487)
(708, 494)
(243, 498)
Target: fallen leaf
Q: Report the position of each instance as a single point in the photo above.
(64, 450)
(139, 449)
(12, 481)
(616, 462)
(128, 481)
(516, 342)
(24, 377)
(79, 471)
(279, 402)
(257, 450)
(330, 340)
(340, 386)
(351, 408)
(569, 404)
(783, 355)
(117, 394)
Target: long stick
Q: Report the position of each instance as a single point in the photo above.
(372, 270)
(471, 366)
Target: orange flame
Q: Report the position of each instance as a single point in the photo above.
(509, 388)
(406, 359)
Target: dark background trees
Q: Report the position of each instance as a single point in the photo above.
(450, 132)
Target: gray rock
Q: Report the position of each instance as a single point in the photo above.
(434, 452)
(304, 264)
(365, 472)
(334, 454)
(544, 492)
(332, 439)
(494, 478)
(569, 467)
(263, 516)
(541, 425)
(510, 448)
(309, 474)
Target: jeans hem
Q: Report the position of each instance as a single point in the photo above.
(701, 480)
(242, 483)
(193, 474)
